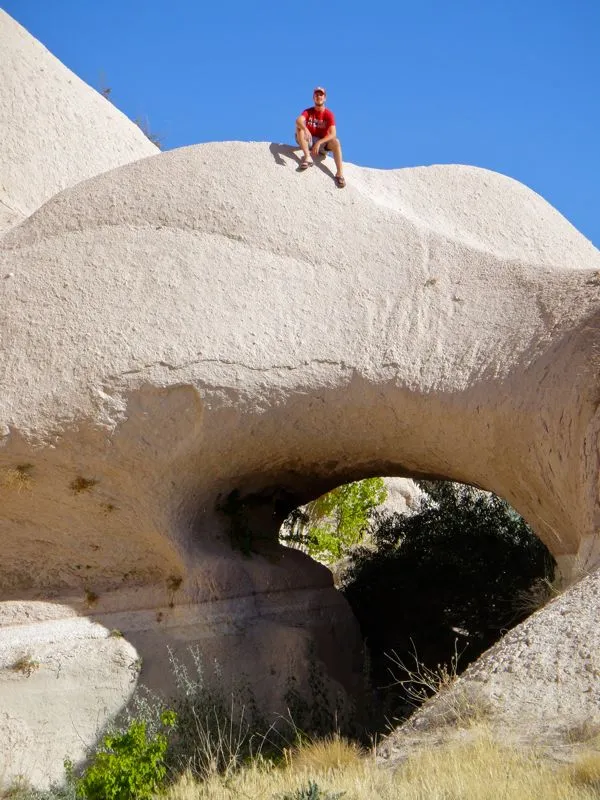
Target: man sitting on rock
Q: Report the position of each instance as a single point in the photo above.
(315, 132)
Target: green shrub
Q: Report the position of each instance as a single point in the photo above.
(128, 766)
(218, 727)
(330, 525)
(446, 579)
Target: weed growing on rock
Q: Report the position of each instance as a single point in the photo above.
(80, 484)
(174, 582)
(18, 478)
(91, 598)
(455, 705)
(587, 730)
(318, 712)
(21, 789)
(314, 713)
(215, 732)
(173, 585)
(26, 665)
(539, 594)
(156, 138)
(242, 512)
(421, 682)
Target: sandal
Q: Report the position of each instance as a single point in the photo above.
(304, 164)
(340, 181)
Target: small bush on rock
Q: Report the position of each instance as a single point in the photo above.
(128, 766)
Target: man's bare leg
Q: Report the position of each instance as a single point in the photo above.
(302, 137)
(336, 148)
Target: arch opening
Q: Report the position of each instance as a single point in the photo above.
(432, 584)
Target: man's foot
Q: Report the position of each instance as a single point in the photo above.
(340, 181)
(305, 164)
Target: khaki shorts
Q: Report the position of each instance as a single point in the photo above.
(313, 140)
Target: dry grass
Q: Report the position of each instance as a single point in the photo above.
(586, 772)
(333, 752)
(420, 682)
(480, 770)
(25, 664)
(544, 590)
(80, 484)
(540, 593)
(461, 706)
(17, 478)
(91, 598)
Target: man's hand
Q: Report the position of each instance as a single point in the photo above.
(315, 149)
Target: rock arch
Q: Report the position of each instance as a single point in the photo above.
(204, 321)
(203, 339)
(206, 328)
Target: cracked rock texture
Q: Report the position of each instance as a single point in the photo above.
(195, 343)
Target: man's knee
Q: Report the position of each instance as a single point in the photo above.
(301, 135)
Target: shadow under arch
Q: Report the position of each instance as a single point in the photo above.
(434, 587)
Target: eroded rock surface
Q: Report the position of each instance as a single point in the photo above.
(194, 344)
(538, 686)
(55, 130)
(193, 330)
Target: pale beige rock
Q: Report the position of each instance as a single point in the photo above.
(403, 496)
(220, 326)
(538, 686)
(55, 130)
(59, 683)
(195, 343)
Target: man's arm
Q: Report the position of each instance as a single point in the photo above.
(331, 134)
(327, 138)
(301, 122)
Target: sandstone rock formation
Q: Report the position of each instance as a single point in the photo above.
(55, 131)
(539, 685)
(194, 330)
(195, 343)
(403, 496)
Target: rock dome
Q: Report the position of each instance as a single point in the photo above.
(195, 343)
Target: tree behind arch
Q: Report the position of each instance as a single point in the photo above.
(451, 575)
(333, 523)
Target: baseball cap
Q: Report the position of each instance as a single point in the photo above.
(319, 89)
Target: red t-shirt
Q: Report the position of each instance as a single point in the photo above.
(318, 121)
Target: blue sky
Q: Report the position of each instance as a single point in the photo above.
(511, 85)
